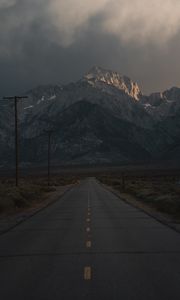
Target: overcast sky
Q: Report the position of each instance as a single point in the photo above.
(57, 41)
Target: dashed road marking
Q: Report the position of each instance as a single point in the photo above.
(87, 273)
(88, 199)
(88, 244)
(88, 229)
(88, 220)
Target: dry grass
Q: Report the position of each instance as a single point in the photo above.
(161, 193)
(31, 191)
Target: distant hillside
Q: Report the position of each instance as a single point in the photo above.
(102, 118)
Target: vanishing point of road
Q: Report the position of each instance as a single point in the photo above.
(90, 245)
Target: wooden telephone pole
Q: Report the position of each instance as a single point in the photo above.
(49, 132)
(16, 98)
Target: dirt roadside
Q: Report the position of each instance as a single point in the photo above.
(9, 221)
(163, 218)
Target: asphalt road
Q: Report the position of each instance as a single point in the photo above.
(90, 245)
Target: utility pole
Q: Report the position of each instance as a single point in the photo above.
(16, 98)
(49, 154)
(123, 181)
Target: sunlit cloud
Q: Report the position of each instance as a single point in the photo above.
(140, 38)
(143, 21)
(139, 21)
(7, 3)
(71, 17)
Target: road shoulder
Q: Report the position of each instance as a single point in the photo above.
(132, 200)
(8, 222)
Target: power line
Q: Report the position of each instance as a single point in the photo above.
(16, 98)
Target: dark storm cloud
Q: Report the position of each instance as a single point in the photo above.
(57, 41)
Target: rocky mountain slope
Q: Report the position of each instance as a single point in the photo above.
(102, 118)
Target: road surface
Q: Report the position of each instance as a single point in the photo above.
(90, 245)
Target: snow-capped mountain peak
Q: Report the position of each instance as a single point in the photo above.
(98, 74)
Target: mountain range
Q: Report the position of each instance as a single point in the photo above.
(102, 118)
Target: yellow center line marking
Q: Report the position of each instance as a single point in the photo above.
(87, 273)
(88, 229)
(88, 244)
